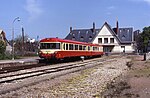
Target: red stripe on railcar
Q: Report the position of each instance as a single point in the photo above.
(67, 41)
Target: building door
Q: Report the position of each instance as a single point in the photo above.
(108, 48)
(123, 49)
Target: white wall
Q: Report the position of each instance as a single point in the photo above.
(106, 33)
(118, 48)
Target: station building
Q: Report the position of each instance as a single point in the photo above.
(113, 40)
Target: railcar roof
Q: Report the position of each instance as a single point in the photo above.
(66, 41)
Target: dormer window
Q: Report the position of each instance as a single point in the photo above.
(81, 38)
(123, 37)
(73, 38)
(90, 38)
(87, 32)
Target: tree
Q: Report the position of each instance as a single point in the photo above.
(143, 39)
(25, 48)
(2, 49)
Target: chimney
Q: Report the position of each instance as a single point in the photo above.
(117, 27)
(70, 29)
(93, 26)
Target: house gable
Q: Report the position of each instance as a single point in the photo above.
(106, 36)
(105, 31)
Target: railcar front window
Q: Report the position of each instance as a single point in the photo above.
(50, 46)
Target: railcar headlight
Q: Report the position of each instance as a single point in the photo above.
(55, 52)
(39, 52)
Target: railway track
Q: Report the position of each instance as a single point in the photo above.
(23, 76)
(17, 68)
(22, 67)
(18, 76)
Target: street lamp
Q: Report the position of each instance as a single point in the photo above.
(18, 19)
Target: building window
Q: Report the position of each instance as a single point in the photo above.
(99, 40)
(90, 38)
(73, 38)
(123, 37)
(81, 38)
(111, 40)
(87, 32)
(105, 40)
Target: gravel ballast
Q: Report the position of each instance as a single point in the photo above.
(88, 83)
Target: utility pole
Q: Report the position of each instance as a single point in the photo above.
(13, 50)
(22, 41)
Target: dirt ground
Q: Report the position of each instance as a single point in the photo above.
(135, 84)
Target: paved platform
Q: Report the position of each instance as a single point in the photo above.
(19, 62)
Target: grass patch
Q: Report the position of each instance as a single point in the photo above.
(140, 72)
(83, 74)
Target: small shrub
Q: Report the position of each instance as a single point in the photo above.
(129, 64)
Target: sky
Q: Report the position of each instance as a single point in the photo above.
(53, 18)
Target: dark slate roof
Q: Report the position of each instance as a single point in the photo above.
(125, 35)
(83, 35)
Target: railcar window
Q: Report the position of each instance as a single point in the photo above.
(88, 47)
(50, 46)
(76, 47)
(63, 46)
(80, 47)
(95, 48)
(70, 46)
(66, 46)
(84, 47)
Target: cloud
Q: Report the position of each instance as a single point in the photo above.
(109, 10)
(33, 8)
(110, 7)
(146, 1)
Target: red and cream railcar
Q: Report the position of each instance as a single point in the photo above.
(55, 48)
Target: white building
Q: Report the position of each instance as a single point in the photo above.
(114, 40)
